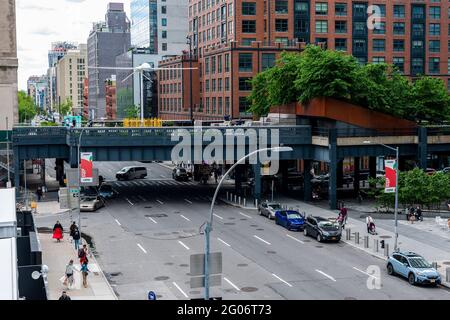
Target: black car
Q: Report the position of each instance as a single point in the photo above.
(180, 174)
(322, 229)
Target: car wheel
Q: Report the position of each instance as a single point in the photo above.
(319, 238)
(276, 222)
(305, 232)
(411, 279)
(390, 270)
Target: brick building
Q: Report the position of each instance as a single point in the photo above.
(110, 98)
(235, 39)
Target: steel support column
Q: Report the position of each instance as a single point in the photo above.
(332, 193)
(357, 176)
(238, 179)
(16, 169)
(340, 173)
(422, 148)
(307, 180)
(257, 183)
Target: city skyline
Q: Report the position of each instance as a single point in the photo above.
(36, 37)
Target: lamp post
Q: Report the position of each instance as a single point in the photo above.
(189, 42)
(396, 149)
(79, 176)
(209, 223)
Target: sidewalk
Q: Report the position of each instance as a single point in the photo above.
(56, 256)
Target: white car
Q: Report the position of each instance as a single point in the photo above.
(91, 203)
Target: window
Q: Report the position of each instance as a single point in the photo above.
(321, 8)
(213, 85)
(163, 9)
(164, 46)
(220, 105)
(359, 28)
(281, 6)
(435, 29)
(213, 65)
(321, 26)
(247, 41)
(243, 105)
(359, 45)
(219, 84)
(359, 10)
(433, 66)
(399, 11)
(379, 45)
(380, 28)
(245, 84)
(340, 44)
(302, 8)
(399, 62)
(267, 61)
(281, 25)
(164, 22)
(340, 26)
(227, 106)
(207, 105)
(376, 60)
(399, 45)
(249, 8)
(245, 62)
(227, 84)
(434, 46)
(248, 26)
(435, 12)
(227, 62)
(417, 66)
(448, 66)
(340, 9)
(164, 34)
(382, 8)
(219, 64)
(207, 86)
(283, 40)
(206, 65)
(418, 29)
(418, 12)
(230, 10)
(399, 28)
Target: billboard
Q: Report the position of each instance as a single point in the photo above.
(391, 175)
(86, 168)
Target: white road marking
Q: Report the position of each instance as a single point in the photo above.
(162, 176)
(185, 246)
(142, 198)
(152, 220)
(242, 214)
(216, 215)
(224, 242)
(190, 202)
(129, 201)
(160, 202)
(184, 294)
(184, 217)
(231, 284)
(295, 239)
(260, 239)
(370, 275)
(117, 221)
(290, 285)
(142, 248)
(326, 275)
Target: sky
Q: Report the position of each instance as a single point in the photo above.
(39, 23)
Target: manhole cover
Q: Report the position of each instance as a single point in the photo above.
(184, 265)
(169, 264)
(385, 237)
(254, 225)
(138, 234)
(271, 252)
(175, 232)
(243, 219)
(242, 265)
(115, 274)
(249, 289)
(306, 240)
(350, 298)
(259, 229)
(447, 263)
(319, 246)
(161, 278)
(231, 218)
(156, 215)
(229, 224)
(194, 292)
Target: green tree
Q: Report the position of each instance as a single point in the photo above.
(65, 107)
(259, 97)
(132, 112)
(27, 108)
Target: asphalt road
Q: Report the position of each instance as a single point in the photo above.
(144, 239)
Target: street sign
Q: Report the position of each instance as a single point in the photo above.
(199, 282)
(198, 264)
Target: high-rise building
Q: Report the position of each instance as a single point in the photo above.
(70, 75)
(38, 90)
(106, 41)
(8, 65)
(236, 39)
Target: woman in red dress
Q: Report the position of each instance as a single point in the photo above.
(58, 231)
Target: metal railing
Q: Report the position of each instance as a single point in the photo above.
(361, 132)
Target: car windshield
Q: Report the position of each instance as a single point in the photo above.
(328, 225)
(89, 199)
(106, 188)
(294, 216)
(419, 263)
(275, 206)
(123, 170)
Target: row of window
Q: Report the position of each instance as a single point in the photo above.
(170, 88)
(215, 32)
(170, 74)
(171, 104)
(207, 4)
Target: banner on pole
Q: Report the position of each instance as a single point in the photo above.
(391, 175)
(86, 167)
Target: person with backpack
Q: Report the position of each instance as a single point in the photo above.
(84, 271)
(76, 236)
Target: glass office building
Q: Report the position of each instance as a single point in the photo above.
(144, 27)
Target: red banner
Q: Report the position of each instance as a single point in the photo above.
(391, 175)
(86, 167)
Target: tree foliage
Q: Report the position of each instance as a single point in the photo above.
(27, 108)
(301, 77)
(65, 107)
(132, 112)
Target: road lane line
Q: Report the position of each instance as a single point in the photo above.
(290, 285)
(293, 238)
(216, 215)
(224, 242)
(190, 202)
(162, 176)
(260, 239)
(242, 214)
(185, 246)
(184, 217)
(142, 248)
(160, 202)
(326, 275)
(117, 221)
(178, 287)
(129, 201)
(370, 275)
(231, 284)
(152, 220)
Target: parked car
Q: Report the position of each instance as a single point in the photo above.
(180, 174)
(268, 209)
(290, 219)
(89, 191)
(91, 203)
(106, 191)
(413, 267)
(322, 229)
(430, 171)
(446, 170)
(130, 173)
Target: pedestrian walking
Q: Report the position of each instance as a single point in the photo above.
(58, 231)
(83, 253)
(76, 238)
(39, 193)
(342, 218)
(370, 225)
(419, 214)
(64, 297)
(216, 174)
(84, 271)
(73, 226)
(412, 215)
(69, 275)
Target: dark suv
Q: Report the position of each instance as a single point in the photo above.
(180, 174)
(322, 229)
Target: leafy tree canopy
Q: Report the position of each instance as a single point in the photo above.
(27, 108)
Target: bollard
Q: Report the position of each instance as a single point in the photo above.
(256, 203)
(386, 250)
(245, 202)
(348, 235)
(357, 237)
(366, 242)
(239, 200)
(434, 265)
(375, 245)
(228, 195)
(235, 198)
(382, 244)
(447, 274)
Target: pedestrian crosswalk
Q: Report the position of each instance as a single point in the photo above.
(146, 183)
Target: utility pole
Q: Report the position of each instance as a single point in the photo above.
(189, 41)
(8, 185)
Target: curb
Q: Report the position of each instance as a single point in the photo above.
(167, 166)
(236, 205)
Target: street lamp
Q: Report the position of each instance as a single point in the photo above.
(209, 223)
(189, 42)
(396, 149)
